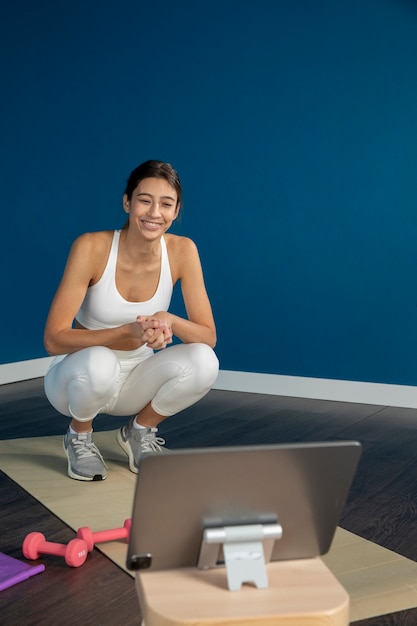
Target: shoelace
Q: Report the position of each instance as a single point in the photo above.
(150, 443)
(84, 449)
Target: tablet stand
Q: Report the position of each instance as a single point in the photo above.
(246, 549)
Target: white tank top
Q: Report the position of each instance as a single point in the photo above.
(104, 307)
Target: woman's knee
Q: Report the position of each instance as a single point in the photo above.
(94, 384)
(101, 369)
(83, 381)
(206, 364)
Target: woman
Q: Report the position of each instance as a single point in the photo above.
(109, 325)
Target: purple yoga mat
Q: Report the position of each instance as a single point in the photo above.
(13, 571)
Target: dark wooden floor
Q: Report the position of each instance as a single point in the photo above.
(382, 505)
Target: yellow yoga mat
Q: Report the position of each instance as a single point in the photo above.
(378, 580)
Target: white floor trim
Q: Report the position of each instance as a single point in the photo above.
(319, 388)
(274, 384)
(24, 370)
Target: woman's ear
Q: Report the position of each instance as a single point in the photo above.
(126, 203)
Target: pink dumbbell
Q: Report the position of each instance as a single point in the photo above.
(86, 534)
(35, 544)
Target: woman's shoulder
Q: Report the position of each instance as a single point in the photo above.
(179, 244)
(183, 255)
(91, 250)
(94, 241)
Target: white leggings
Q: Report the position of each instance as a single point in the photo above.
(99, 380)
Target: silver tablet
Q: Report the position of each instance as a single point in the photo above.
(182, 493)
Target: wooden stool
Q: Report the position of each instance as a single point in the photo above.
(300, 593)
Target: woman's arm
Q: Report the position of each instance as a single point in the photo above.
(84, 266)
(200, 326)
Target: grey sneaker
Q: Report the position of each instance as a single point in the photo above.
(84, 459)
(136, 441)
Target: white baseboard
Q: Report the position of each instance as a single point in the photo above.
(24, 370)
(380, 394)
(319, 388)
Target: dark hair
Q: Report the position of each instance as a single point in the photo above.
(153, 169)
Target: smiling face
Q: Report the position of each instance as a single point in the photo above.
(152, 207)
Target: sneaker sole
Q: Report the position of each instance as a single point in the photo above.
(71, 474)
(127, 449)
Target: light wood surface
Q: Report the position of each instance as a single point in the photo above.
(300, 593)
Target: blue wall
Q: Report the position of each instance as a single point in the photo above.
(293, 125)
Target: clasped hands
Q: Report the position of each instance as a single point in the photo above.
(155, 330)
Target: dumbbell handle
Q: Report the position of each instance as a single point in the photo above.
(86, 534)
(50, 547)
(109, 535)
